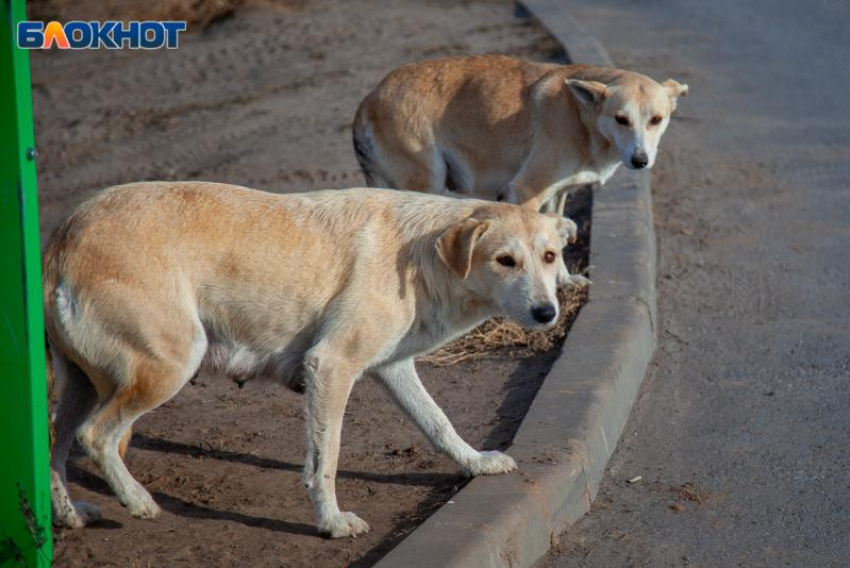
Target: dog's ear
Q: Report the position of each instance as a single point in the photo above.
(675, 90)
(566, 228)
(588, 92)
(457, 243)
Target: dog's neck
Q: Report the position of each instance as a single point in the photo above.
(597, 160)
(596, 151)
(447, 307)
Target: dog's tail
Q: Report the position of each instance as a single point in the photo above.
(49, 281)
(364, 148)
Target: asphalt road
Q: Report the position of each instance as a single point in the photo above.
(741, 432)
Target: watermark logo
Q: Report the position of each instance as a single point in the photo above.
(95, 35)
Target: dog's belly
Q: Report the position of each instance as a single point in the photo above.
(495, 186)
(484, 172)
(242, 363)
(491, 185)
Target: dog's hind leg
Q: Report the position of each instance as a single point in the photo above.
(403, 383)
(328, 382)
(389, 158)
(153, 382)
(77, 400)
(124, 444)
(417, 169)
(141, 377)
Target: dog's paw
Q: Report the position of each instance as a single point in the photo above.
(81, 515)
(491, 463)
(342, 525)
(142, 506)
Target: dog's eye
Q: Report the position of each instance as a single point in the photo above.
(506, 260)
(624, 120)
(549, 257)
(655, 120)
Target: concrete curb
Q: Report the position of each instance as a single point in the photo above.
(572, 427)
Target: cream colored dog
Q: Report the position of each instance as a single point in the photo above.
(508, 130)
(147, 283)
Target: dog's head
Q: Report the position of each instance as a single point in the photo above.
(632, 113)
(511, 259)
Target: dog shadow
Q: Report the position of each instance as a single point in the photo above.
(183, 508)
(162, 445)
(191, 510)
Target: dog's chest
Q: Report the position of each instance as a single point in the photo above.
(431, 332)
(423, 337)
(605, 172)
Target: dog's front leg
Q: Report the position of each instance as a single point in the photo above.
(328, 382)
(534, 185)
(403, 383)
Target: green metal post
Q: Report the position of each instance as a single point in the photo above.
(25, 538)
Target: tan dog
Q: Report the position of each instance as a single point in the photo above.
(147, 283)
(508, 130)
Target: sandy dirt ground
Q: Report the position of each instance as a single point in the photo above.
(263, 96)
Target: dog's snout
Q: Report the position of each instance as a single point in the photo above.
(640, 159)
(544, 313)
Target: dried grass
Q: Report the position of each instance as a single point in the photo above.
(499, 334)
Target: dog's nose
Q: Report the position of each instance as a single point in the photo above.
(544, 313)
(640, 160)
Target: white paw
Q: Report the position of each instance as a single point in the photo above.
(344, 524)
(491, 463)
(81, 515)
(142, 506)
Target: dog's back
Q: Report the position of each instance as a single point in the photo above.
(404, 129)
